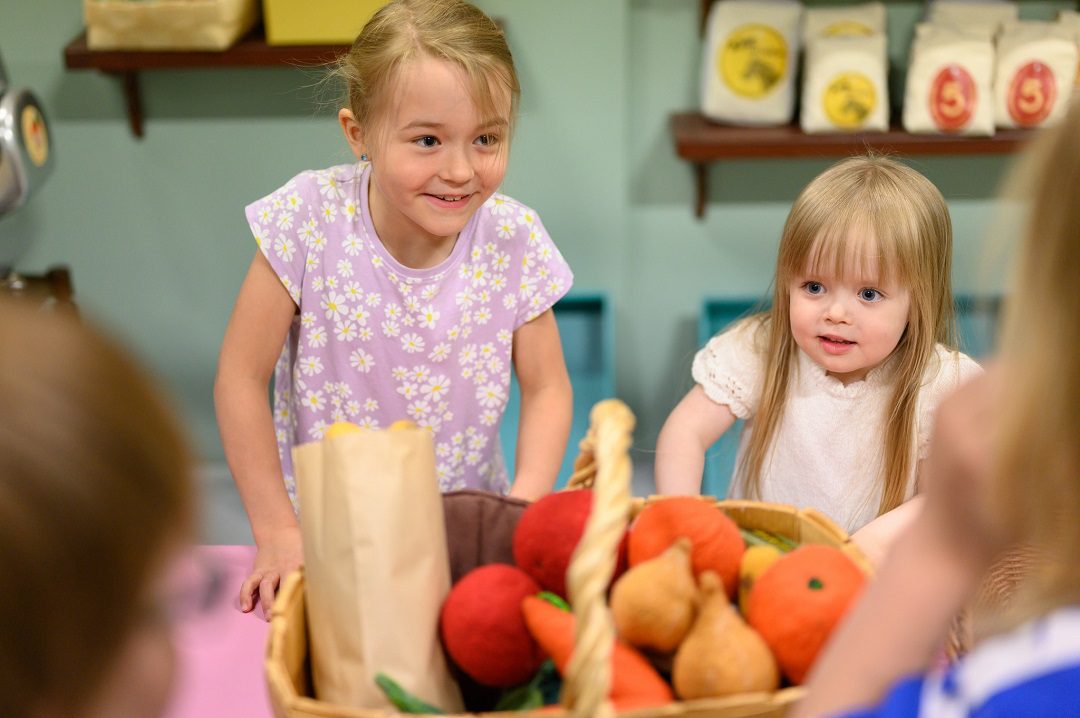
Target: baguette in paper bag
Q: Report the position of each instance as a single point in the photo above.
(375, 566)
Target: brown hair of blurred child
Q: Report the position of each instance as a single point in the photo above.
(95, 494)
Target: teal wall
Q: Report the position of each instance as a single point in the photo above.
(153, 229)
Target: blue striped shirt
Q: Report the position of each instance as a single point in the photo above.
(1030, 672)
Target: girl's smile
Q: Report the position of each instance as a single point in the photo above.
(835, 345)
(448, 201)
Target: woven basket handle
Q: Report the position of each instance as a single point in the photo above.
(603, 464)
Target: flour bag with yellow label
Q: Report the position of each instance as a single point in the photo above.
(843, 21)
(1036, 70)
(845, 85)
(751, 50)
(949, 83)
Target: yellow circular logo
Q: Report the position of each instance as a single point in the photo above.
(847, 28)
(35, 135)
(849, 99)
(753, 60)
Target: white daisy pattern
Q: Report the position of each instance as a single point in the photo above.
(376, 341)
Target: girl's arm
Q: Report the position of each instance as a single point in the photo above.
(877, 537)
(253, 340)
(691, 428)
(546, 406)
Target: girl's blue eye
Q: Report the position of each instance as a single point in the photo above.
(488, 139)
(427, 141)
(870, 295)
(814, 287)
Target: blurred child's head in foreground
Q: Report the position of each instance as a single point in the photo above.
(95, 498)
(1037, 487)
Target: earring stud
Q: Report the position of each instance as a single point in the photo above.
(363, 157)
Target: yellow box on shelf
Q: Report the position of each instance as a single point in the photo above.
(316, 22)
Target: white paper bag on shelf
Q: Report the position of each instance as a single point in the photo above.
(749, 64)
(1034, 74)
(982, 18)
(949, 83)
(843, 21)
(845, 85)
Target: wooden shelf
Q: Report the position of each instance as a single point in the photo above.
(701, 142)
(250, 51)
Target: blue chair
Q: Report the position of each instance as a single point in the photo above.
(586, 326)
(976, 319)
(976, 324)
(716, 315)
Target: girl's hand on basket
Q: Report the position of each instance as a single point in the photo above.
(275, 559)
(877, 537)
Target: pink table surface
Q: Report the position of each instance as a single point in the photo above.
(220, 653)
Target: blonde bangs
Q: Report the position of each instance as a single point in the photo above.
(850, 250)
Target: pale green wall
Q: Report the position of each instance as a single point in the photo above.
(154, 233)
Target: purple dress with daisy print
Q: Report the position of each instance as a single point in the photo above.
(375, 341)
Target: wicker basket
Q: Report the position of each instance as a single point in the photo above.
(167, 24)
(604, 465)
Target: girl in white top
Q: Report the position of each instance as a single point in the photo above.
(839, 379)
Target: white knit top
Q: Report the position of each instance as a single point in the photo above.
(828, 449)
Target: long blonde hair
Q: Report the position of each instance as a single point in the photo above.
(94, 485)
(1037, 479)
(904, 219)
(450, 30)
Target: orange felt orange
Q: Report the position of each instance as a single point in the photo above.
(634, 682)
(796, 603)
(716, 544)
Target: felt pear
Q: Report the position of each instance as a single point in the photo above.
(654, 603)
(722, 655)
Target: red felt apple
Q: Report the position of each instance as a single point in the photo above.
(483, 629)
(547, 534)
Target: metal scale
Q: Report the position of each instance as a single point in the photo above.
(26, 160)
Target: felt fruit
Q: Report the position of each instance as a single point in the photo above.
(722, 655)
(341, 428)
(754, 562)
(482, 627)
(796, 603)
(634, 683)
(654, 603)
(717, 544)
(547, 534)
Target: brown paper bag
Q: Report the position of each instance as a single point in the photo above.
(375, 566)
